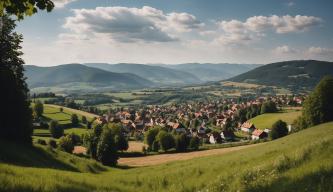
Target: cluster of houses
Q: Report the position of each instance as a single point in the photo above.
(193, 119)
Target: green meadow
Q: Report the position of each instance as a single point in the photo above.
(268, 119)
(298, 162)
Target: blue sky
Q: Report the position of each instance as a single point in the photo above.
(179, 31)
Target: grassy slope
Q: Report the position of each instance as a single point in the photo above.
(267, 120)
(299, 162)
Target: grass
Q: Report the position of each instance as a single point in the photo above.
(268, 119)
(299, 162)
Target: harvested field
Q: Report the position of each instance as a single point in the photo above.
(165, 158)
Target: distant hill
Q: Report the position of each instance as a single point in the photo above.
(300, 74)
(80, 75)
(157, 74)
(213, 72)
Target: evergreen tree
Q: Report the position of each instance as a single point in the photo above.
(16, 119)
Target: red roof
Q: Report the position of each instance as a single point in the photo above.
(257, 132)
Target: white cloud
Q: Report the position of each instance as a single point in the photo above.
(131, 24)
(320, 51)
(285, 49)
(279, 24)
(62, 3)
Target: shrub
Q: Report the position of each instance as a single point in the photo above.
(75, 120)
(150, 137)
(194, 143)
(76, 139)
(165, 140)
(279, 129)
(66, 144)
(181, 142)
(52, 143)
(107, 148)
(56, 130)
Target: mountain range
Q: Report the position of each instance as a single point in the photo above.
(298, 74)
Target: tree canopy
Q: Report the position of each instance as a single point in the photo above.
(22, 8)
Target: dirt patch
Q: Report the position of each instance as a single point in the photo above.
(165, 158)
(135, 146)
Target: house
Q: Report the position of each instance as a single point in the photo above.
(258, 134)
(101, 120)
(227, 135)
(248, 127)
(215, 138)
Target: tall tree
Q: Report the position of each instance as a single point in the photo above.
(16, 119)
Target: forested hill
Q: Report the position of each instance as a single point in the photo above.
(63, 75)
(296, 74)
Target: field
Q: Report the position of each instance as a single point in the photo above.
(268, 119)
(298, 162)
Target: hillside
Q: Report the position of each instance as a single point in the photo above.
(75, 74)
(299, 161)
(213, 72)
(290, 74)
(157, 74)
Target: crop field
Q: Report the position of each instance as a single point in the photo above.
(267, 120)
(299, 161)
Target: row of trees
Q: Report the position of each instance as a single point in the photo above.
(158, 138)
(103, 143)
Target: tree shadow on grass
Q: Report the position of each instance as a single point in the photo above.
(31, 156)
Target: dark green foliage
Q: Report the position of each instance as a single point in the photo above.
(16, 116)
(150, 136)
(107, 148)
(90, 140)
(84, 120)
(194, 143)
(279, 129)
(52, 143)
(66, 144)
(268, 107)
(41, 141)
(181, 142)
(121, 142)
(76, 139)
(39, 108)
(290, 74)
(165, 140)
(75, 120)
(55, 129)
(228, 125)
(155, 146)
(318, 106)
(22, 8)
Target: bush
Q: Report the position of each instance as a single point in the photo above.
(165, 140)
(66, 144)
(107, 149)
(52, 143)
(56, 130)
(181, 142)
(150, 137)
(194, 143)
(75, 120)
(76, 139)
(84, 120)
(41, 141)
(121, 142)
(279, 129)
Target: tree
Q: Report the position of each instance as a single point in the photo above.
(16, 119)
(121, 142)
(318, 107)
(268, 107)
(66, 144)
(24, 8)
(91, 139)
(75, 120)
(194, 143)
(39, 108)
(165, 140)
(84, 120)
(61, 109)
(181, 142)
(107, 148)
(150, 137)
(279, 129)
(56, 130)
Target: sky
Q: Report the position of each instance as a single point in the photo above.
(179, 31)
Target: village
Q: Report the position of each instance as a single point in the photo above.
(211, 121)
